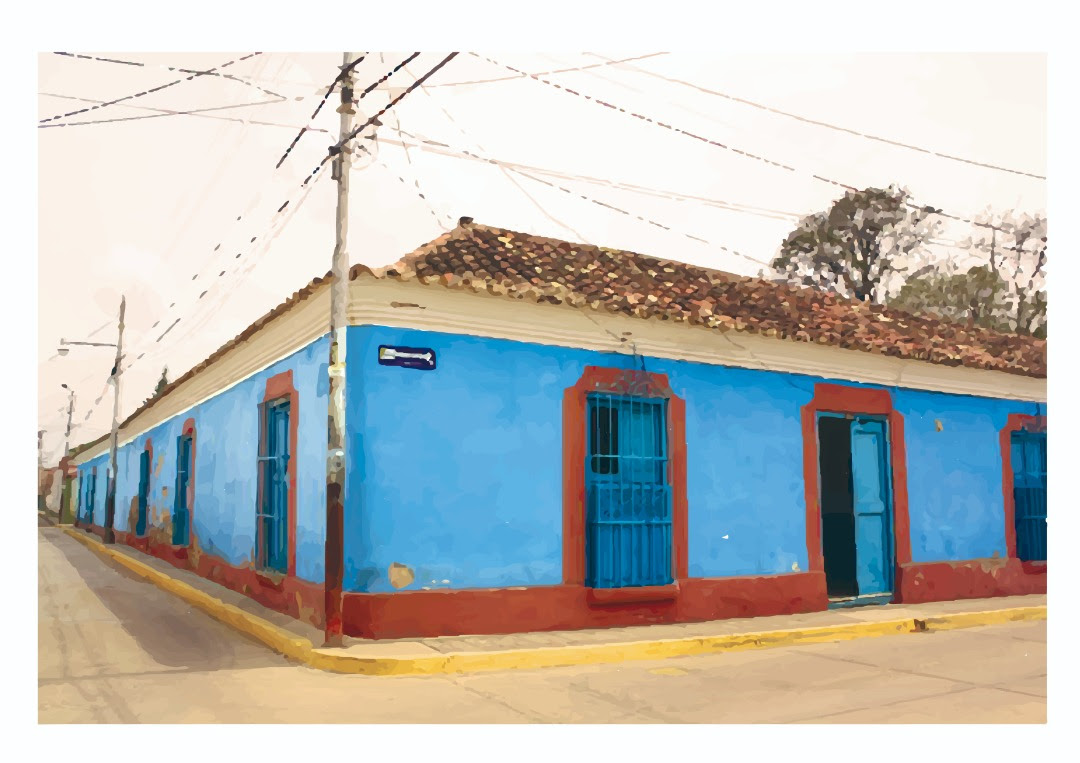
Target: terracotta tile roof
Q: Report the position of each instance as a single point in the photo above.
(523, 266)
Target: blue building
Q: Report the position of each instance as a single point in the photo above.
(545, 435)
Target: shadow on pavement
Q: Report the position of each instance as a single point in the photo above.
(166, 628)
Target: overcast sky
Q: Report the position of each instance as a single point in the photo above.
(149, 207)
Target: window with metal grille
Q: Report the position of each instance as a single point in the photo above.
(144, 492)
(273, 513)
(1029, 494)
(183, 478)
(91, 489)
(628, 528)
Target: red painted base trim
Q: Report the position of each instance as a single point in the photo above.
(637, 594)
(567, 607)
(295, 597)
(969, 579)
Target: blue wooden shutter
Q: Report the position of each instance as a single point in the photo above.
(144, 489)
(274, 513)
(870, 491)
(183, 477)
(1029, 494)
(628, 534)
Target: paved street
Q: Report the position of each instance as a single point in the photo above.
(113, 648)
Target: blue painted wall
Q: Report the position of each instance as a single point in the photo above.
(225, 475)
(955, 501)
(457, 472)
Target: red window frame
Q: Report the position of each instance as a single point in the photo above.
(839, 398)
(575, 438)
(279, 387)
(1016, 422)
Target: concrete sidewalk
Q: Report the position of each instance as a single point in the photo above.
(466, 654)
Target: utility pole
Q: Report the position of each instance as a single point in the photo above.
(40, 468)
(71, 412)
(339, 297)
(110, 495)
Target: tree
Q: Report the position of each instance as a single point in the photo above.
(1014, 246)
(163, 382)
(861, 247)
(975, 296)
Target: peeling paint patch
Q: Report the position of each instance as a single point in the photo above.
(400, 575)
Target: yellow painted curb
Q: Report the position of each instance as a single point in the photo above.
(340, 661)
(278, 639)
(976, 619)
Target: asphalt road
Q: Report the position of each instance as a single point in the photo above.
(115, 649)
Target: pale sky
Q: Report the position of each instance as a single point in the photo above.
(137, 207)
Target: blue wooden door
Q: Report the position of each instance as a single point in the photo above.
(88, 505)
(274, 512)
(1029, 494)
(144, 492)
(870, 488)
(628, 530)
(183, 477)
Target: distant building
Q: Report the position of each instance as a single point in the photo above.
(545, 435)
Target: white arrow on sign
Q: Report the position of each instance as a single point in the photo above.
(389, 353)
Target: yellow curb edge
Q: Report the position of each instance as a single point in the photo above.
(338, 661)
(278, 639)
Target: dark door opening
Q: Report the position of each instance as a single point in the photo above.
(856, 515)
(837, 506)
(144, 492)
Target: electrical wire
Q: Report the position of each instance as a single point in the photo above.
(334, 150)
(162, 113)
(553, 71)
(344, 71)
(41, 122)
(449, 151)
(807, 120)
(747, 154)
(242, 80)
(415, 175)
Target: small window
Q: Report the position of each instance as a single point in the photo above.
(1029, 494)
(628, 532)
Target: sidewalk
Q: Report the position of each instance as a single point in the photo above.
(460, 654)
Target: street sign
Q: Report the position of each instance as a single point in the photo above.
(421, 358)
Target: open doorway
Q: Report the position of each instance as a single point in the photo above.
(856, 515)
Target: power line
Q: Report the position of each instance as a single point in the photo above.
(418, 83)
(444, 149)
(408, 160)
(807, 120)
(508, 176)
(242, 80)
(366, 90)
(41, 122)
(709, 141)
(161, 113)
(641, 218)
(306, 184)
(553, 71)
(345, 70)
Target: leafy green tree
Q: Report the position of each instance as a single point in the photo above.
(861, 247)
(976, 297)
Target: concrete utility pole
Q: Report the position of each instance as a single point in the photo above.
(71, 412)
(40, 469)
(110, 495)
(339, 297)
